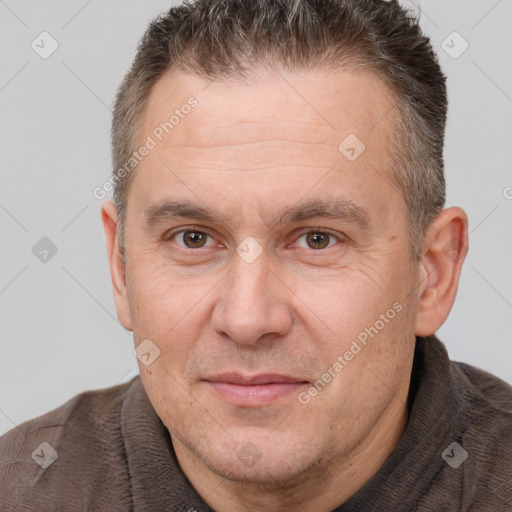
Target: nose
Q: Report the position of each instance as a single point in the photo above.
(253, 303)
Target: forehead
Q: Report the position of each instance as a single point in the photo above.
(277, 130)
(309, 106)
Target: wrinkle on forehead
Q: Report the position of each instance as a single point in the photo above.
(254, 155)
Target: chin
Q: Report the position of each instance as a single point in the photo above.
(280, 462)
(271, 473)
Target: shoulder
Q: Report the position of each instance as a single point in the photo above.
(83, 411)
(484, 389)
(69, 445)
(487, 436)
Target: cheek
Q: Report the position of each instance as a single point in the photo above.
(360, 326)
(164, 308)
(346, 304)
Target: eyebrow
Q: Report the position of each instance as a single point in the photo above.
(338, 209)
(334, 208)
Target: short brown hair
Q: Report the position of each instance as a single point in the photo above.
(226, 38)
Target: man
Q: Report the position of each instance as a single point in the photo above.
(279, 248)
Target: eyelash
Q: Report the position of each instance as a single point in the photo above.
(305, 231)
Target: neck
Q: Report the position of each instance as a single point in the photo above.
(321, 488)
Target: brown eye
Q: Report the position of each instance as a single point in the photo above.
(194, 239)
(318, 240)
(191, 239)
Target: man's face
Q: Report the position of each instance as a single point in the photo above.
(255, 302)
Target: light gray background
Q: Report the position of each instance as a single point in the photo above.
(59, 330)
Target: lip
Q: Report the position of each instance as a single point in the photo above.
(254, 390)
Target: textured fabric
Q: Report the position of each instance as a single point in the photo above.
(115, 454)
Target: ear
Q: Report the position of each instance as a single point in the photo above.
(444, 249)
(117, 265)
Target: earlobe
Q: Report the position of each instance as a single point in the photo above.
(117, 265)
(444, 250)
